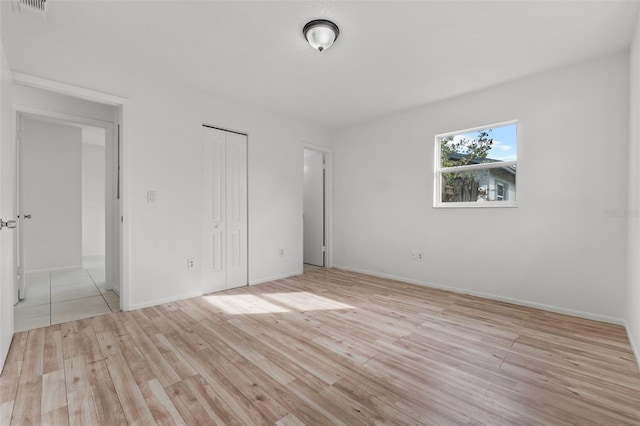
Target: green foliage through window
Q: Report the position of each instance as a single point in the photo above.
(464, 151)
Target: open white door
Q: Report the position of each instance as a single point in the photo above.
(314, 244)
(7, 209)
(224, 248)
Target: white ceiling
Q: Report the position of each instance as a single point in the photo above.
(390, 56)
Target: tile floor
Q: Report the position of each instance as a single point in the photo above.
(54, 297)
(308, 268)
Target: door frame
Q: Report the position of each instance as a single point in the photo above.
(112, 268)
(122, 162)
(328, 200)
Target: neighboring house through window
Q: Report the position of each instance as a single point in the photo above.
(477, 167)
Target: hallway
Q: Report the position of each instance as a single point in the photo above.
(58, 296)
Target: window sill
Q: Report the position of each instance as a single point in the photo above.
(476, 205)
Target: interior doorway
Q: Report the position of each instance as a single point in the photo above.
(65, 249)
(314, 210)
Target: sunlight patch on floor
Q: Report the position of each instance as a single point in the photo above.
(305, 301)
(277, 303)
(244, 304)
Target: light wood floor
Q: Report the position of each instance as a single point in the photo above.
(328, 347)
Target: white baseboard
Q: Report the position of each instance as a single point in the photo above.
(634, 345)
(275, 278)
(196, 294)
(529, 304)
(161, 301)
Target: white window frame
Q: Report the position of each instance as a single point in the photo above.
(439, 170)
(505, 189)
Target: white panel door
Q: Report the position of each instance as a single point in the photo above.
(7, 209)
(313, 231)
(214, 240)
(225, 209)
(237, 274)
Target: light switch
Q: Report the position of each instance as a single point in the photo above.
(151, 196)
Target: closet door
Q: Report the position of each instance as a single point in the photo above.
(236, 210)
(214, 248)
(224, 247)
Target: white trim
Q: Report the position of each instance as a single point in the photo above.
(476, 204)
(328, 194)
(67, 89)
(542, 306)
(126, 290)
(61, 118)
(274, 278)
(475, 129)
(634, 347)
(482, 166)
(165, 300)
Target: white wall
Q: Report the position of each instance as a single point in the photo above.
(7, 208)
(632, 298)
(162, 152)
(560, 248)
(93, 197)
(52, 195)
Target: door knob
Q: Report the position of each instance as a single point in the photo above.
(27, 216)
(8, 224)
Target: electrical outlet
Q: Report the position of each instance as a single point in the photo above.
(281, 252)
(420, 256)
(191, 263)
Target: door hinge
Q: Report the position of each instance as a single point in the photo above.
(324, 249)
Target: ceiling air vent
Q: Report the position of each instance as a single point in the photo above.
(35, 5)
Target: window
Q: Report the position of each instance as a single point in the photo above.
(477, 167)
(501, 194)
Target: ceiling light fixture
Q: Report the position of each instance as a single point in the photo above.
(321, 33)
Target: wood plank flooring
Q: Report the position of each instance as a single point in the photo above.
(327, 347)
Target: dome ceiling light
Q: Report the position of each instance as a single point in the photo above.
(321, 33)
